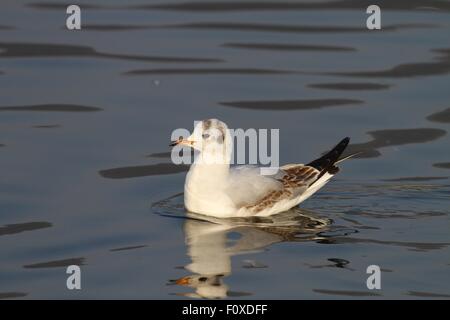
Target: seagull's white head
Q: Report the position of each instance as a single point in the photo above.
(212, 138)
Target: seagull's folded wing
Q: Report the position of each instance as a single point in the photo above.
(246, 186)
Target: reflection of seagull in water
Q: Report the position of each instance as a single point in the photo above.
(213, 189)
(210, 247)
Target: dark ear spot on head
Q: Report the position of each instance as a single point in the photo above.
(222, 135)
(206, 124)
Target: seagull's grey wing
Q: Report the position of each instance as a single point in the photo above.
(295, 179)
(246, 186)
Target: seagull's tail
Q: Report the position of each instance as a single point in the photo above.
(349, 156)
(326, 163)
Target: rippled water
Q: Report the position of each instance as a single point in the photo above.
(86, 116)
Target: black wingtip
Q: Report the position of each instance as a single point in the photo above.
(344, 142)
(327, 161)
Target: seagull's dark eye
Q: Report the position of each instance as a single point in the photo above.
(205, 135)
(202, 279)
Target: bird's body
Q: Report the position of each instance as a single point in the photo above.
(214, 188)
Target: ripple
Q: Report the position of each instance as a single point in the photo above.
(415, 179)
(57, 263)
(203, 6)
(114, 27)
(47, 126)
(415, 246)
(442, 165)
(52, 108)
(394, 137)
(178, 71)
(230, 6)
(11, 295)
(335, 263)
(286, 105)
(142, 171)
(61, 6)
(338, 232)
(358, 196)
(128, 248)
(287, 47)
(350, 86)
(348, 293)
(442, 116)
(22, 227)
(262, 27)
(427, 294)
(160, 155)
(407, 70)
(398, 214)
(36, 50)
(252, 264)
(339, 263)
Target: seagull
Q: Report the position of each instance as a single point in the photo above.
(214, 188)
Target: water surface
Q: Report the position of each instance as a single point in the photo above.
(86, 118)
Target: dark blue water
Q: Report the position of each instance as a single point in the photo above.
(86, 117)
